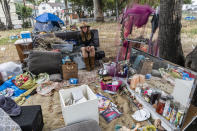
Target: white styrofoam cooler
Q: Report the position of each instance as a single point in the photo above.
(82, 111)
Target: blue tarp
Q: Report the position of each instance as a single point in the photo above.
(190, 18)
(10, 84)
(47, 17)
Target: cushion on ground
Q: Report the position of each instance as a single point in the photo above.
(44, 62)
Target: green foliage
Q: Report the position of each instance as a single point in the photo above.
(153, 3)
(187, 1)
(58, 1)
(32, 1)
(26, 24)
(109, 5)
(78, 4)
(23, 11)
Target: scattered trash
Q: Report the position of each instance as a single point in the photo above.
(3, 48)
(141, 115)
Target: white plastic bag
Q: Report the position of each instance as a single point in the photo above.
(10, 69)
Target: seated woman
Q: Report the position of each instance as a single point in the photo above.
(86, 39)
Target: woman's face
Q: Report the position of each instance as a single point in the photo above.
(84, 29)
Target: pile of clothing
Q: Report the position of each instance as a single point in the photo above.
(19, 88)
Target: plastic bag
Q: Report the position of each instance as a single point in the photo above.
(79, 60)
(10, 69)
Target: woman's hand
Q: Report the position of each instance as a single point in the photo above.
(88, 48)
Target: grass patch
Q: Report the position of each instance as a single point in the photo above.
(193, 31)
(6, 40)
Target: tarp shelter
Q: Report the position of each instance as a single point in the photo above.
(47, 22)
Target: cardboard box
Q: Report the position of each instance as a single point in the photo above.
(70, 70)
(82, 111)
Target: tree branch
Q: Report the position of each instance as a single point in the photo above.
(2, 3)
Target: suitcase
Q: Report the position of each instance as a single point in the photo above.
(30, 118)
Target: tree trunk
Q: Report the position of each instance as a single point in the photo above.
(24, 2)
(191, 60)
(170, 47)
(6, 10)
(98, 13)
(66, 4)
(66, 11)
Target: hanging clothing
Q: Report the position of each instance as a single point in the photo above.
(155, 22)
(153, 47)
(140, 13)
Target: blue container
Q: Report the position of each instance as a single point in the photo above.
(148, 76)
(25, 35)
(73, 81)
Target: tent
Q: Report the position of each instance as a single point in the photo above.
(47, 22)
(47, 17)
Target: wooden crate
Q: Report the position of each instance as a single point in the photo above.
(22, 47)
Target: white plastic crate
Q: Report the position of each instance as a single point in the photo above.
(79, 112)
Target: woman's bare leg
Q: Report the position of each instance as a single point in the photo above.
(92, 51)
(84, 52)
(86, 59)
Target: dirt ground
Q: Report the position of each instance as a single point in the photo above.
(51, 109)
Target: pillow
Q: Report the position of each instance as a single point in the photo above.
(44, 62)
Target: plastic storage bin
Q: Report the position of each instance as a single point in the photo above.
(82, 111)
(109, 87)
(25, 35)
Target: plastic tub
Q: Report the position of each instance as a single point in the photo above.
(111, 88)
